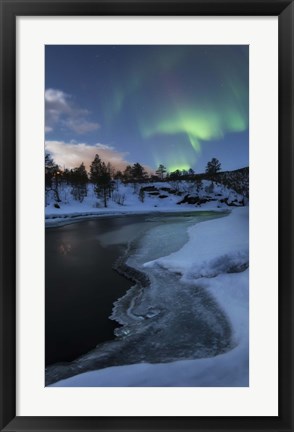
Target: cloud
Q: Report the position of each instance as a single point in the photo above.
(60, 111)
(81, 126)
(72, 154)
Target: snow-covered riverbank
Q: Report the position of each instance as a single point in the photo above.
(214, 260)
(161, 197)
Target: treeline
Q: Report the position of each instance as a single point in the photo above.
(105, 177)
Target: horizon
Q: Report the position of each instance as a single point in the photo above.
(149, 172)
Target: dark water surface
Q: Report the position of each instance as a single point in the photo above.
(81, 284)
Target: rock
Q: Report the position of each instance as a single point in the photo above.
(149, 188)
(193, 200)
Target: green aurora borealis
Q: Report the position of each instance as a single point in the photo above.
(168, 104)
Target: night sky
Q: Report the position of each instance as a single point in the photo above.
(178, 105)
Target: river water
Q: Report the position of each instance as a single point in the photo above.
(92, 264)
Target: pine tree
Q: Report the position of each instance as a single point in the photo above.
(127, 174)
(161, 170)
(79, 180)
(52, 177)
(100, 176)
(175, 175)
(95, 169)
(138, 173)
(66, 176)
(50, 170)
(213, 166)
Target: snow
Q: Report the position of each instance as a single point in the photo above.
(70, 210)
(221, 371)
(210, 261)
(213, 249)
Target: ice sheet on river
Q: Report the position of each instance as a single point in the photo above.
(189, 301)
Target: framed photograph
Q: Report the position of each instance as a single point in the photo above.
(146, 215)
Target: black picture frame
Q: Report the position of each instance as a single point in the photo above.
(9, 11)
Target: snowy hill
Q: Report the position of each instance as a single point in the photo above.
(237, 180)
(220, 191)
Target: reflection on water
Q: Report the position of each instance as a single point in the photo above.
(81, 287)
(64, 248)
